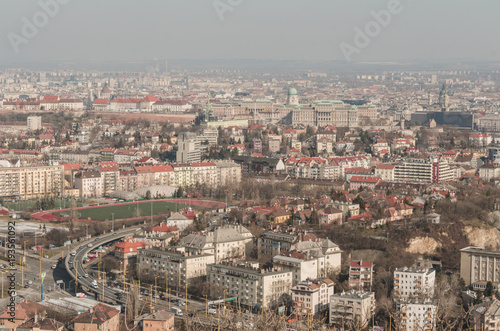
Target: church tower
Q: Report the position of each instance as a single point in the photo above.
(293, 97)
(444, 99)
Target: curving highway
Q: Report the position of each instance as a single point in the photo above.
(74, 264)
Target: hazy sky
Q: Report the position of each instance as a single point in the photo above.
(133, 30)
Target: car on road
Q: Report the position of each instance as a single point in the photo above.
(26, 286)
(79, 277)
(73, 253)
(89, 245)
(85, 275)
(30, 282)
(54, 266)
(212, 311)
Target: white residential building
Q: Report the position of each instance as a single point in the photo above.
(417, 315)
(413, 283)
(300, 264)
(312, 296)
(385, 172)
(89, 183)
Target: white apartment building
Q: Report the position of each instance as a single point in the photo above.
(413, 283)
(417, 315)
(253, 286)
(89, 183)
(34, 123)
(302, 266)
(188, 148)
(352, 310)
(428, 169)
(489, 171)
(177, 267)
(208, 135)
(205, 173)
(230, 242)
(479, 266)
(312, 296)
(31, 182)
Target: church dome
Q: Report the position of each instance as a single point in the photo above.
(292, 91)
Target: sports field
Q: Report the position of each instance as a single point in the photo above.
(128, 210)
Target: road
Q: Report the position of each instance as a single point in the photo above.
(75, 267)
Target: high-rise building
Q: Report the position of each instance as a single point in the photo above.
(34, 123)
(188, 148)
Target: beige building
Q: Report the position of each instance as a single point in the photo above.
(89, 183)
(385, 172)
(228, 173)
(253, 286)
(352, 310)
(34, 123)
(160, 320)
(486, 315)
(479, 266)
(175, 266)
(312, 296)
(31, 182)
(489, 171)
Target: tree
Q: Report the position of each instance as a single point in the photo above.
(179, 193)
(148, 195)
(488, 292)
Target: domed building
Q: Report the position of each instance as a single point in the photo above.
(293, 97)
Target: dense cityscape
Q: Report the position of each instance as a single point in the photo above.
(249, 165)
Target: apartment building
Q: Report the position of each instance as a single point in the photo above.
(252, 285)
(489, 171)
(385, 172)
(205, 173)
(31, 182)
(479, 266)
(425, 169)
(230, 242)
(312, 296)
(34, 123)
(361, 275)
(417, 315)
(352, 310)
(89, 183)
(228, 173)
(188, 148)
(301, 265)
(413, 283)
(110, 174)
(173, 267)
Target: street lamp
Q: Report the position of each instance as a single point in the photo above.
(151, 213)
(112, 222)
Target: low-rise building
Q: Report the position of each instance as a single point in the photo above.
(126, 251)
(486, 315)
(160, 320)
(99, 317)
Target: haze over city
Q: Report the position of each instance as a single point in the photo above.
(130, 31)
